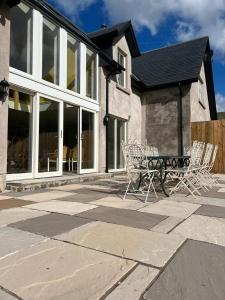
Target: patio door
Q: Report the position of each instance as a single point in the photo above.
(49, 137)
(87, 141)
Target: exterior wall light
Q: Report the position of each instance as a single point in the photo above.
(106, 120)
(4, 90)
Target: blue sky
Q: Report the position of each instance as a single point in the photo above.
(158, 23)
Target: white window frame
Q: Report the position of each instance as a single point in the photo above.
(123, 73)
(115, 120)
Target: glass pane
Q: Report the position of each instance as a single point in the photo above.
(50, 56)
(87, 137)
(19, 133)
(91, 74)
(48, 135)
(21, 38)
(73, 64)
(70, 138)
(111, 141)
(120, 138)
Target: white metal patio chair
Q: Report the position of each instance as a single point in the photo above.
(186, 176)
(138, 172)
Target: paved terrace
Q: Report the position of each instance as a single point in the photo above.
(82, 241)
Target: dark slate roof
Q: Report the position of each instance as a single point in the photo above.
(116, 29)
(114, 33)
(170, 65)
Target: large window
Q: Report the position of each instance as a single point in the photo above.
(19, 133)
(121, 78)
(73, 64)
(91, 74)
(48, 158)
(87, 138)
(116, 134)
(50, 55)
(21, 38)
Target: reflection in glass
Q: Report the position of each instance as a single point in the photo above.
(120, 138)
(50, 56)
(73, 64)
(91, 79)
(48, 135)
(70, 138)
(87, 137)
(111, 141)
(21, 38)
(19, 133)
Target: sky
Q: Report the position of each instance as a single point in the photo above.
(158, 23)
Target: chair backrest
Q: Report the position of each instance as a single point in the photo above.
(197, 153)
(208, 154)
(136, 155)
(214, 156)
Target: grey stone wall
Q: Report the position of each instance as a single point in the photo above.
(160, 119)
(4, 72)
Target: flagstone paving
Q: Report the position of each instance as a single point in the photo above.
(196, 272)
(172, 209)
(62, 207)
(10, 203)
(83, 241)
(152, 248)
(124, 217)
(12, 215)
(23, 239)
(50, 224)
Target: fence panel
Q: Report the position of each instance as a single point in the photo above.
(212, 132)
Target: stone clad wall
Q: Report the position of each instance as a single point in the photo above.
(160, 119)
(4, 73)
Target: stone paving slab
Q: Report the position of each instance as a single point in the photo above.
(56, 270)
(123, 217)
(149, 247)
(51, 224)
(221, 190)
(13, 240)
(214, 193)
(67, 187)
(172, 209)
(11, 203)
(6, 296)
(12, 215)
(85, 196)
(211, 211)
(196, 272)
(166, 225)
(39, 197)
(134, 285)
(202, 228)
(62, 207)
(117, 202)
(198, 200)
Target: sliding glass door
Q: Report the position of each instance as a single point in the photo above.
(116, 134)
(49, 145)
(87, 141)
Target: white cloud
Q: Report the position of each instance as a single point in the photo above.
(220, 102)
(71, 7)
(194, 17)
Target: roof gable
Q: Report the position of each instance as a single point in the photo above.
(114, 33)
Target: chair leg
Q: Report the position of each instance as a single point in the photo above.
(127, 190)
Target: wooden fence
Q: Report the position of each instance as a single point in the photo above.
(212, 132)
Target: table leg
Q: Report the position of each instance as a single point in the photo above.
(163, 179)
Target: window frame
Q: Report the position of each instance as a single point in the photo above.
(123, 73)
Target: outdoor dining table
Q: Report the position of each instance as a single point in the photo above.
(162, 162)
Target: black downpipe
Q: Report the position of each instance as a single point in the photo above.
(180, 122)
(106, 123)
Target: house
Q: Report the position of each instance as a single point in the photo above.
(74, 97)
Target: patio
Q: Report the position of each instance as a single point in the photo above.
(82, 241)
